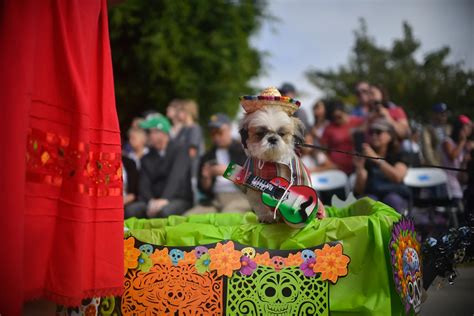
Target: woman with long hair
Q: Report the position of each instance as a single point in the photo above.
(454, 152)
(382, 179)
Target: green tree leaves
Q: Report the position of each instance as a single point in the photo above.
(415, 85)
(169, 49)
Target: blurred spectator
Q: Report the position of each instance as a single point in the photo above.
(165, 183)
(338, 135)
(411, 148)
(435, 133)
(136, 122)
(313, 159)
(382, 179)
(381, 107)
(320, 121)
(222, 195)
(137, 139)
(172, 114)
(362, 91)
(130, 181)
(190, 133)
(455, 149)
(469, 192)
(287, 89)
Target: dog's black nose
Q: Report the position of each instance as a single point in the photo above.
(272, 140)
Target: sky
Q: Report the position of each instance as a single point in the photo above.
(318, 34)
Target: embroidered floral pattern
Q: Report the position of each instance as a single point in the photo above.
(56, 160)
(331, 262)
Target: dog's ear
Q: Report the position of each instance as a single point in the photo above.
(299, 131)
(244, 135)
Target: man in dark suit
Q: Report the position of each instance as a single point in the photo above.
(165, 181)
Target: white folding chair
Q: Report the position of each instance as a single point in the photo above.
(425, 177)
(329, 180)
(428, 178)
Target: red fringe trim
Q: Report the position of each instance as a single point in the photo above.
(73, 301)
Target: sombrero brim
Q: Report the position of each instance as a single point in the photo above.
(252, 103)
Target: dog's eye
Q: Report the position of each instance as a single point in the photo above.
(281, 134)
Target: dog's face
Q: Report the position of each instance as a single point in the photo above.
(271, 134)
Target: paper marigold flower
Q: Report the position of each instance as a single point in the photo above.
(331, 262)
(263, 259)
(294, 260)
(224, 258)
(189, 258)
(131, 255)
(161, 257)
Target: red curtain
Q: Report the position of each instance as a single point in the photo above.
(60, 163)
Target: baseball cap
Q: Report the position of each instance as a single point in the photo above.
(157, 121)
(217, 120)
(439, 107)
(287, 88)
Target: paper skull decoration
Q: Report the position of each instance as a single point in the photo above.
(176, 255)
(405, 253)
(411, 271)
(146, 249)
(278, 292)
(307, 254)
(248, 252)
(199, 251)
(278, 262)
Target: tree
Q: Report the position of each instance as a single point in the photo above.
(413, 84)
(169, 49)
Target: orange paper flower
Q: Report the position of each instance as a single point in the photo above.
(161, 257)
(263, 259)
(189, 258)
(331, 262)
(131, 255)
(294, 260)
(224, 258)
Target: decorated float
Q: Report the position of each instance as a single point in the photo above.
(362, 259)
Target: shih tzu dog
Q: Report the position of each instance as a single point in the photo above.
(269, 132)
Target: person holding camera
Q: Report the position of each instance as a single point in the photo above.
(382, 179)
(381, 107)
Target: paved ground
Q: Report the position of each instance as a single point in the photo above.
(452, 300)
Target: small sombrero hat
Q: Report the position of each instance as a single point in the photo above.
(269, 96)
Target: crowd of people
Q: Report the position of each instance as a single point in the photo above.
(168, 171)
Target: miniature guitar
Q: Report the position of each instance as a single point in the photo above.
(299, 204)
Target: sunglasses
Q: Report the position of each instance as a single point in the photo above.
(362, 91)
(216, 132)
(375, 132)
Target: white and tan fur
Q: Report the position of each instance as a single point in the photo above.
(271, 137)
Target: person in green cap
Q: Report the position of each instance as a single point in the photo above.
(165, 176)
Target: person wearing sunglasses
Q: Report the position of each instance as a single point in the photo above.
(220, 194)
(362, 92)
(382, 179)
